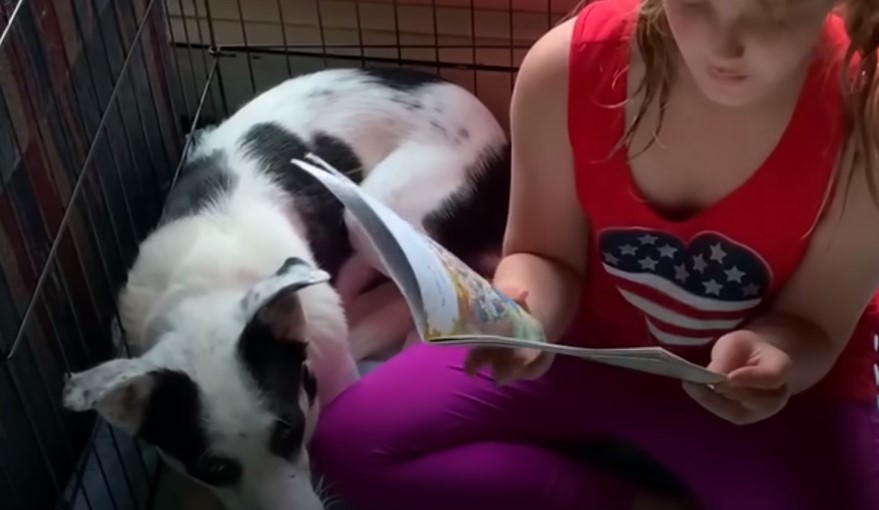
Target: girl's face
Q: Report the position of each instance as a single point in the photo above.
(740, 51)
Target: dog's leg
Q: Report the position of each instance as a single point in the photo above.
(413, 181)
(329, 352)
(355, 276)
(368, 302)
(380, 321)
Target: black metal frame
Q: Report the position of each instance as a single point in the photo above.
(95, 108)
(329, 54)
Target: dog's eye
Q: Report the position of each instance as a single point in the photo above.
(286, 440)
(309, 384)
(217, 471)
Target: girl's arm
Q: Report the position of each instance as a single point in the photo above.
(545, 245)
(816, 313)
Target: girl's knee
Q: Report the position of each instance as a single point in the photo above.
(341, 438)
(352, 434)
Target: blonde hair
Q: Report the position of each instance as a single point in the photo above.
(859, 78)
(861, 86)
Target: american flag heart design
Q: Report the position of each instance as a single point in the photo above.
(690, 293)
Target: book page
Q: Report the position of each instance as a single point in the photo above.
(445, 296)
(453, 305)
(482, 310)
(654, 360)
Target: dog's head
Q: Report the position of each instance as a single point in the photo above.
(226, 394)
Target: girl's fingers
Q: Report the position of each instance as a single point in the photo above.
(721, 406)
(476, 359)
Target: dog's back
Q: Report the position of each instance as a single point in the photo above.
(367, 112)
(428, 149)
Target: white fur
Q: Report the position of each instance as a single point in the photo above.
(182, 305)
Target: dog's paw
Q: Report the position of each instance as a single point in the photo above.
(118, 390)
(86, 390)
(77, 394)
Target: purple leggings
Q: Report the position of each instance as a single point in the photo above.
(418, 433)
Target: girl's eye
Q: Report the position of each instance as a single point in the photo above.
(765, 23)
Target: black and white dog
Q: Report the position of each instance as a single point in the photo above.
(233, 305)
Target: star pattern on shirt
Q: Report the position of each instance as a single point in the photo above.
(712, 268)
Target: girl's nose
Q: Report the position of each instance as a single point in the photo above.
(727, 44)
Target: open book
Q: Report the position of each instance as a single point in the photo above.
(452, 304)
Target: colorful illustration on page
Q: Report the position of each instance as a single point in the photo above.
(482, 309)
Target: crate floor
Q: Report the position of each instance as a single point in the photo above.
(117, 474)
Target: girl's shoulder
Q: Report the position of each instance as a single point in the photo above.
(588, 42)
(594, 25)
(601, 39)
(605, 21)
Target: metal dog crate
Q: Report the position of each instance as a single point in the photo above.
(96, 100)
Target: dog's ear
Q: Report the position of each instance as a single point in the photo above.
(274, 302)
(273, 352)
(272, 346)
(119, 390)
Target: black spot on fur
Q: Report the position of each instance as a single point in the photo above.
(408, 101)
(321, 212)
(276, 366)
(319, 94)
(172, 421)
(471, 222)
(202, 181)
(274, 147)
(402, 79)
(463, 135)
(439, 127)
(172, 417)
(339, 154)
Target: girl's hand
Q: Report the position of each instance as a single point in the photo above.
(509, 364)
(757, 379)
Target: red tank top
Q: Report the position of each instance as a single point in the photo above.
(682, 284)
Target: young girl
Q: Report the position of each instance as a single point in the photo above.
(694, 174)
